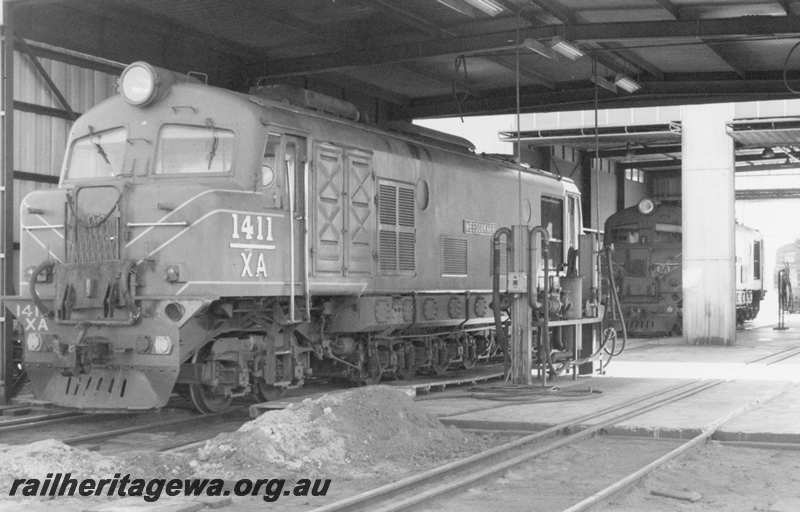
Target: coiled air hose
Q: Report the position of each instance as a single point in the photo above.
(617, 307)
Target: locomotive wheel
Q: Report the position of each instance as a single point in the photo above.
(267, 392)
(203, 397)
(440, 359)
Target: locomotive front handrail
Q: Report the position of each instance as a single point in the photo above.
(37, 301)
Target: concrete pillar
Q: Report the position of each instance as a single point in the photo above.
(709, 294)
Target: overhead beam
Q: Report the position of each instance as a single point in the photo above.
(636, 60)
(671, 8)
(459, 85)
(409, 18)
(342, 79)
(469, 44)
(616, 60)
(674, 90)
(137, 18)
(760, 194)
(525, 71)
(640, 151)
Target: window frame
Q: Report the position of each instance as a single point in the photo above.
(70, 153)
(193, 175)
(564, 214)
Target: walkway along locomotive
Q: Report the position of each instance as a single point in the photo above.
(220, 243)
(647, 243)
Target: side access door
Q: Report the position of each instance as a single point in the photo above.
(343, 192)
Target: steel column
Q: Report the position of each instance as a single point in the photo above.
(6, 197)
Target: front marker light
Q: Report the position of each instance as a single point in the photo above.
(162, 345)
(33, 342)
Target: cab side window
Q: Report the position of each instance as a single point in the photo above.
(553, 221)
(269, 179)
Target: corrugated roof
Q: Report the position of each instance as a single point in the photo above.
(415, 54)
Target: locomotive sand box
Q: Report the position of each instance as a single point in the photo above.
(219, 244)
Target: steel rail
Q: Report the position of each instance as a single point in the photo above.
(774, 354)
(785, 356)
(35, 421)
(147, 426)
(384, 498)
(637, 475)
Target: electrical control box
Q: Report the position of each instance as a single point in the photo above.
(517, 282)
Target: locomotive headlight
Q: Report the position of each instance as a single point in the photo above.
(646, 206)
(33, 342)
(162, 345)
(138, 84)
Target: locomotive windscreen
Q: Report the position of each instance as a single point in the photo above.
(97, 155)
(194, 149)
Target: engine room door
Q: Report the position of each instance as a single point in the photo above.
(343, 190)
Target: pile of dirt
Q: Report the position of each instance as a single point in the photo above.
(363, 431)
(35, 460)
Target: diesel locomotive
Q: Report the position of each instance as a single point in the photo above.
(216, 244)
(647, 242)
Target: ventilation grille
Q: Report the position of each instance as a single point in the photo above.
(396, 230)
(405, 207)
(406, 261)
(453, 256)
(387, 200)
(388, 251)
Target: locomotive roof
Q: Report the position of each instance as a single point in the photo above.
(419, 139)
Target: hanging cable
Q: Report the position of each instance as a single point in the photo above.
(518, 152)
(786, 69)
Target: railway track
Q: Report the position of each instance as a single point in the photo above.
(777, 357)
(37, 420)
(155, 425)
(443, 480)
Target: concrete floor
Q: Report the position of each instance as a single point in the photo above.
(648, 365)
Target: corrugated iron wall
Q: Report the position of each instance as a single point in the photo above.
(40, 139)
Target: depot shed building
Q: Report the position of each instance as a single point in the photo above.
(400, 61)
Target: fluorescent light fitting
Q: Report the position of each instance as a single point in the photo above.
(604, 83)
(537, 47)
(489, 7)
(457, 6)
(566, 49)
(627, 84)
